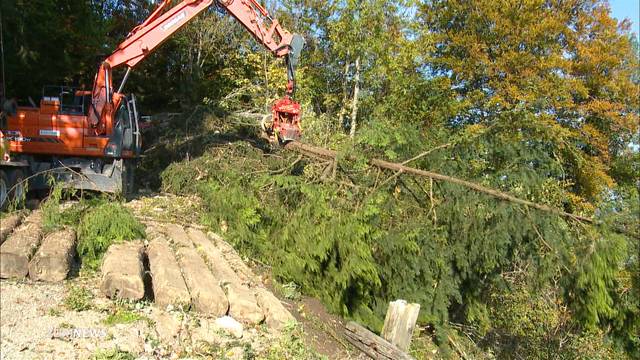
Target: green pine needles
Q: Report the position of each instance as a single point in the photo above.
(357, 244)
(103, 225)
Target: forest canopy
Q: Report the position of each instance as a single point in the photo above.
(536, 98)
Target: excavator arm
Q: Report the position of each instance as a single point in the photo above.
(164, 22)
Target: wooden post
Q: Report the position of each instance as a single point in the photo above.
(399, 323)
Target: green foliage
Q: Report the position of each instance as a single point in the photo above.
(443, 247)
(103, 225)
(99, 222)
(535, 323)
(71, 32)
(112, 354)
(54, 217)
(54, 312)
(78, 298)
(123, 316)
(289, 291)
(290, 345)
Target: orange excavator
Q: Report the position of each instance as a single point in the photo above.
(91, 139)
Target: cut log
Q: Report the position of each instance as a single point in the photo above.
(122, 271)
(399, 323)
(241, 269)
(7, 225)
(206, 294)
(219, 265)
(373, 345)
(177, 235)
(16, 252)
(243, 305)
(169, 287)
(53, 260)
(276, 315)
(400, 168)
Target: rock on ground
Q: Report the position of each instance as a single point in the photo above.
(122, 271)
(54, 258)
(168, 327)
(16, 252)
(230, 326)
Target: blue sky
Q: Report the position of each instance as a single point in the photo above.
(629, 9)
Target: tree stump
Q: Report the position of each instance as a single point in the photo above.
(399, 323)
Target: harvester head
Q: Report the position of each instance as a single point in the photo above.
(285, 125)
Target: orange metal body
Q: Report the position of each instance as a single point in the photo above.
(99, 138)
(49, 131)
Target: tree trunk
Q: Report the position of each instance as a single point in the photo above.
(356, 93)
(345, 94)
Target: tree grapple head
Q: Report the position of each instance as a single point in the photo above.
(286, 120)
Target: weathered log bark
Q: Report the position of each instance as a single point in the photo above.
(371, 344)
(399, 323)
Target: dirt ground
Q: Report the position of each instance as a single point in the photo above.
(57, 321)
(35, 323)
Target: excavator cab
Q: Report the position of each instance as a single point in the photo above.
(63, 100)
(125, 139)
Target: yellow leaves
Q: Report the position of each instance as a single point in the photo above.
(579, 204)
(592, 179)
(475, 130)
(597, 140)
(630, 121)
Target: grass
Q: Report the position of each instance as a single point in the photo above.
(291, 345)
(78, 299)
(99, 222)
(290, 291)
(54, 312)
(53, 216)
(124, 316)
(112, 354)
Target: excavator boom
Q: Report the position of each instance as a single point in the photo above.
(164, 22)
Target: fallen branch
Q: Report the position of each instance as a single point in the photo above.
(399, 168)
(371, 344)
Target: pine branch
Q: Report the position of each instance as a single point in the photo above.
(399, 168)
